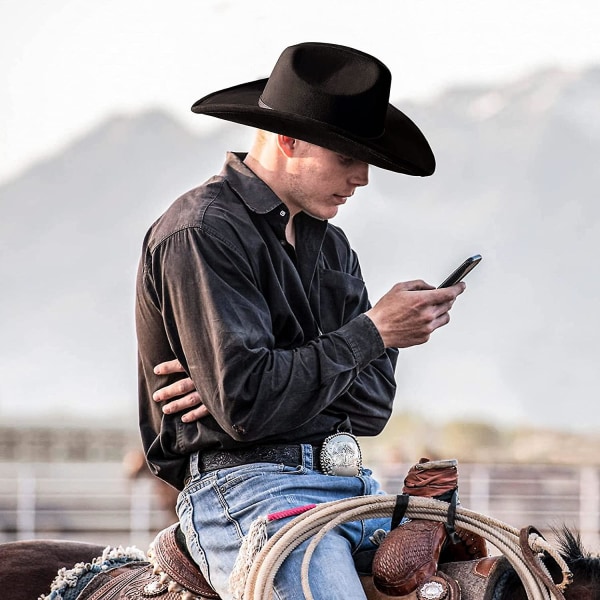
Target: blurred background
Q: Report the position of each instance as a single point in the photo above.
(97, 139)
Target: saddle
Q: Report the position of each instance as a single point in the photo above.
(409, 558)
(169, 574)
(419, 557)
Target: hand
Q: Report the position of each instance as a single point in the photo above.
(183, 390)
(411, 311)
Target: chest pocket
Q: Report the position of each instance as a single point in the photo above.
(341, 297)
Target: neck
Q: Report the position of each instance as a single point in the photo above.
(290, 232)
(265, 162)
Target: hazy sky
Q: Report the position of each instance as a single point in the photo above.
(67, 64)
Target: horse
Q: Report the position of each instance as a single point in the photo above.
(28, 568)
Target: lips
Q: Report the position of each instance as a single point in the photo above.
(343, 197)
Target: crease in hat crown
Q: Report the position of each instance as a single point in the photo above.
(334, 85)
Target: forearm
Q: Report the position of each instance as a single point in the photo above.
(369, 400)
(258, 392)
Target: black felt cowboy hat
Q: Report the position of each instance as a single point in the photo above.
(332, 96)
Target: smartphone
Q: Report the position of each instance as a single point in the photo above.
(460, 273)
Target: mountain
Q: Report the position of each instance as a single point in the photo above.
(516, 182)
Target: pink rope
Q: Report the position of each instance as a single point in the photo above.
(290, 512)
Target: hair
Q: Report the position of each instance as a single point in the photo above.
(584, 565)
(261, 138)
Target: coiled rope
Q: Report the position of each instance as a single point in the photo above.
(319, 520)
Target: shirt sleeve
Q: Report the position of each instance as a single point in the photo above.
(369, 400)
(220, 327)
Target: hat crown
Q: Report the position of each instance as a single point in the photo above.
(335, 85)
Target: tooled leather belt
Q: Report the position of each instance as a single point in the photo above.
(338, 455)
(289, 455)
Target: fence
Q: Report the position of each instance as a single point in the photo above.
(96, 502)
(546, 496)
(93, 502)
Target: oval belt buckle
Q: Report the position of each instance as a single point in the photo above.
(340, 455)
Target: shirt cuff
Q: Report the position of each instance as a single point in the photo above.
(364, 340)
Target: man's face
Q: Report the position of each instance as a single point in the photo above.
(319, 181)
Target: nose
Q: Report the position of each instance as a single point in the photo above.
(360, 174)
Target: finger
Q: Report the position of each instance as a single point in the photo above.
(447, 295)
(442, 320)
(195, 414)
(179, 388)
(461, 286)
(180, 404)
(458, 288)
(414, 285)
(168, 367)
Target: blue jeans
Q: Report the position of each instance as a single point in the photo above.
(217, 508)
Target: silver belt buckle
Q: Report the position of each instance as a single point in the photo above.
(340, 455)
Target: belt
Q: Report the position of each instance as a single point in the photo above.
(289, 455)
(338, 455)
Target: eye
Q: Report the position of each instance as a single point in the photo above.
(345, 160)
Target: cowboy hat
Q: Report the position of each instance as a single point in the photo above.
(332, 96)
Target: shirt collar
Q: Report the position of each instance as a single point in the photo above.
(250, 188)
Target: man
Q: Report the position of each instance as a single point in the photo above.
(261, 300)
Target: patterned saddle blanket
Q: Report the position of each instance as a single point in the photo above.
(166, 573)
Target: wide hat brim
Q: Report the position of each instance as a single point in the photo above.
(401, 148)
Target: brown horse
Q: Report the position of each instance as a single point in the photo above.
(584, 566)
(27, 569)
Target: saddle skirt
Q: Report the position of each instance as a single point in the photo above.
(478, 579)
(169, 574)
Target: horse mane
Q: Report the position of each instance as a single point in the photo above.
(584, 565)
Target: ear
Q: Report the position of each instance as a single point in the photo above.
(287, 144)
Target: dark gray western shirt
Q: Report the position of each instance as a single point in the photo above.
(274, 339)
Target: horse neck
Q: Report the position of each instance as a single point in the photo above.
(584, 586)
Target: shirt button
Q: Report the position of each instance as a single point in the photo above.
(282, 213)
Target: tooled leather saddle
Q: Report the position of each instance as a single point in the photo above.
(407, 561)
(169, 574)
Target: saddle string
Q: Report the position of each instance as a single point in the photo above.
(324, 517)
(532, 544)
(539, 544)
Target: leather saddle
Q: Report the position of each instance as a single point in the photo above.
(408, 561)
(169, 574)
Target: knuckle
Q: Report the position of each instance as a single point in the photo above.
(429, 329)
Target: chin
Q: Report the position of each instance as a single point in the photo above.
(322, 216)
